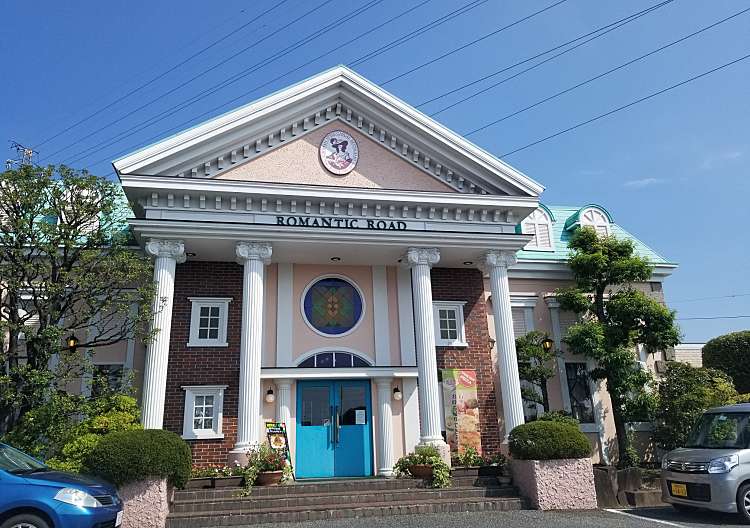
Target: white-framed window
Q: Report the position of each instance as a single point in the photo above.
(538, 224)
(208, 321)
(579, 391)
(449, 323)
(595, 218)
(203, 411)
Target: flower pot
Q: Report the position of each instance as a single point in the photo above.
(199, 483)
(269, 478)
(421, 471)
(227, 482)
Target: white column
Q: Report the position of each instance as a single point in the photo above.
(167, 254)
(385, 427)
(253, 256)
(284, 402)
(421, 260)
(497, 263)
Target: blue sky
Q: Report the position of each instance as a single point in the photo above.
(673, 170)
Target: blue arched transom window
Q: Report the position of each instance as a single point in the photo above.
(334, 360)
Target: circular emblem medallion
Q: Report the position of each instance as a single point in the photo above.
(339, 152)
(332, 306)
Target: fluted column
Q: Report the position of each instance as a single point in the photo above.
(420, 260)
(253, 256)
(497, 264)
(284, 402)
(385, 427)
(166, 253)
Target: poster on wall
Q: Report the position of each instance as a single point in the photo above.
(461, 408)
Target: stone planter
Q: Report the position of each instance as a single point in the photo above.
(566, 484)
(269, 478)
(199, 483)
(145, 504)
(421, 471)
(227, 482)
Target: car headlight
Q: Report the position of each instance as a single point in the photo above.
(77, 497)
(665, 463)
(723, 464)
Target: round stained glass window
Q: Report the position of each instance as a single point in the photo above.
(332, 306)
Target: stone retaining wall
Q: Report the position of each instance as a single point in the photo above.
(566, 484)
(146, 504)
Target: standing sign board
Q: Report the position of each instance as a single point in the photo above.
(278, 440)
(461, 407)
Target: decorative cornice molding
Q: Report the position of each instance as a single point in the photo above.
(420, 256)
(253, 251)
(504, 259)
(174, 249)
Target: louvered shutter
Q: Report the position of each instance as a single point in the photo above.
(519, 322)
(542, 236)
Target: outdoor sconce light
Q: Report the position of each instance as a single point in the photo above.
(491, 342)
(72, 342)
(397, 394)
(547, 344)
(270, 396)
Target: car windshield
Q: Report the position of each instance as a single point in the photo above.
(721, 431)
(14, 461)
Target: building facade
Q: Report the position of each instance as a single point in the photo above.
(331, 258)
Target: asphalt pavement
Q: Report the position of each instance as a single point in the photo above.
(641, 518)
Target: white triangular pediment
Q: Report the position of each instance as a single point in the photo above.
(254, 143)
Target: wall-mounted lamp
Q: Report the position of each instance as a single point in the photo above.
(72, 342)
(491, 342)
(547, 344)
(270, 396)
(397, 394)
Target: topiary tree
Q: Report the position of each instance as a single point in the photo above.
(127, 456)
(730, 354)
(685, 392)
(615, 318)
(548, 440)
(534, 367)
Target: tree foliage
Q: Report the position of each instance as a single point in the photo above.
(730, 354)
(535, 367)
(66, 267)
(685, 392)
(615, 319)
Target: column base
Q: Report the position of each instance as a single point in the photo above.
(443, 448)
(386, 473)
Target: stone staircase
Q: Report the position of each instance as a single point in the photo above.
(340, 499)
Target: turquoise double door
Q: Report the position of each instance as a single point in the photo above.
(334, 429)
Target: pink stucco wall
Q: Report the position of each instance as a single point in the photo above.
(146, 503)
(299, 162)
(556, 484)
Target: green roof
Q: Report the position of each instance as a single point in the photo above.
(563, 218)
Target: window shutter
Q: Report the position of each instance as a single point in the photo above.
(542, 236)
(519, 322)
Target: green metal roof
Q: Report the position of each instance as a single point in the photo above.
(563, 218)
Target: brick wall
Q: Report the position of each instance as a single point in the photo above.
(205, 366)
(452, 284)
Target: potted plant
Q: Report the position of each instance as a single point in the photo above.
(265, 467)
(425, 463)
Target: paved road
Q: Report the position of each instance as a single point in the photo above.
(642, 518)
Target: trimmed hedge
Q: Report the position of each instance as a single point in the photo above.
(730, 354)
(128, 456)
(548, 440)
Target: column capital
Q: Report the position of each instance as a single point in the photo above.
(383, 382)
(500, 258)
(253, 251)
(415, 256)
(174, 249)
(551, 301)
(283, 383)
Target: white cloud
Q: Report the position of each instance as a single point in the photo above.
(712, 160)
(644, 182)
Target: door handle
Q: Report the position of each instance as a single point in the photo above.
(332, 433)
(337, 426)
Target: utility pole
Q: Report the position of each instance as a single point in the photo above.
(24, 155)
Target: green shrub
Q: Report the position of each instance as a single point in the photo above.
(684, 393)
(559, 417)
(127, 456)
(469, 458)
(730, 354)
(548, 440)
(426, 455)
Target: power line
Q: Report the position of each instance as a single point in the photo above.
(193, 78)
(164, 73)
(732, 296)
(475, 41)
(170, 111)
(617, 23)
(615, 110)
(608, 72)
(714, 317)
(540, 63)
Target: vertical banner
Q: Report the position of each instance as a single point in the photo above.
(461, 408)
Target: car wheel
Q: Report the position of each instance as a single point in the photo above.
(743, 503)
(25, 520)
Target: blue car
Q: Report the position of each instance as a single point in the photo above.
(33, 495)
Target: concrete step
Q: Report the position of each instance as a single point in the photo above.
(341, 511)
(332, 500)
